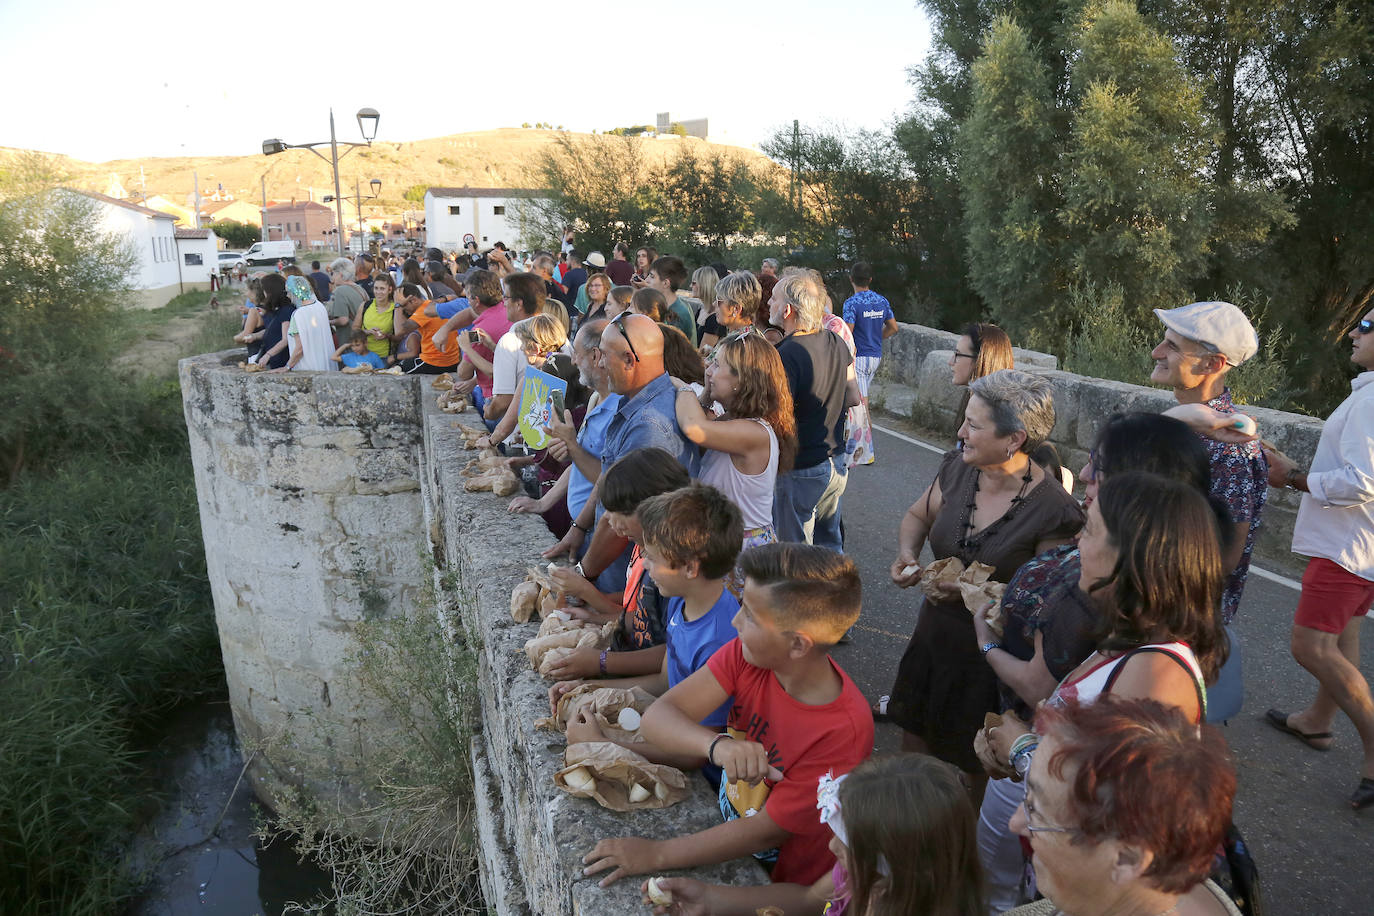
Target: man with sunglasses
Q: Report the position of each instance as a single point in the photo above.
(632, 358)
(1335, 528)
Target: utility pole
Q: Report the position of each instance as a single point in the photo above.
(264, 209)
(358, 200)
(338, 198)
(195, 177)
(794, 195)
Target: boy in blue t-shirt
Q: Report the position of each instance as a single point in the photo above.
(691, 538)
(871, 321)
(355, 353)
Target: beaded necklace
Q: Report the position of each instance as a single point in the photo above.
(969, 542)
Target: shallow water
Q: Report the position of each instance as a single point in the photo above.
(200, 852)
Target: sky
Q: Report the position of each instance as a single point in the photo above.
(157, 78)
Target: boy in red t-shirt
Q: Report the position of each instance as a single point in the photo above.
(796, 716)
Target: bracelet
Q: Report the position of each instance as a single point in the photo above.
(580, 528)
(601, 663)
(1020, 757)
(1022, 742)
(711, 751)
(987, 647)
(1291, 478)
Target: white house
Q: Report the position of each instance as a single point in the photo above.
(490, 215)
(156, 278)
(198, 251)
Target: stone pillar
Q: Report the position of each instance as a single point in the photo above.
(310, 507)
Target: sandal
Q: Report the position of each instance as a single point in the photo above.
(879, 709)
(1364, 794)
(1279, 720)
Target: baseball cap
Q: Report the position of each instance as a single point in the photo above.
(1219, 325)
(596, 259)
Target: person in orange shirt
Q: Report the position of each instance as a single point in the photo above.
(419, 313)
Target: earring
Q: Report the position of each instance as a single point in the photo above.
(1009, 451)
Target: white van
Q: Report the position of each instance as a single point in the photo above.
(270, 253)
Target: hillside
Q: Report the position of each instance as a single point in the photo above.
(489, 158)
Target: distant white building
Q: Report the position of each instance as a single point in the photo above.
(489, 215)
(198, 251)
(157, 277)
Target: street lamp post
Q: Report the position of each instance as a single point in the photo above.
(358, 198)
(367, 125)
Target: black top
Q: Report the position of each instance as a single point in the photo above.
(817, 365)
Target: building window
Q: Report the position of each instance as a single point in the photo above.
(454, 210)
(498, 211)
(298, 227)
(193, 259)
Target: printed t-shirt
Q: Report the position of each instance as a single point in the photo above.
(868, 312)
(428, 325)
(351, 359)
(641, 618)
(691, 643)
(817, 366)
(805, 742)
(1240, 478)
(496, 324)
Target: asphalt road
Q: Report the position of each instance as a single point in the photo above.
(1315, 854)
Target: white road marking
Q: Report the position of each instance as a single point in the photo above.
(1285, 581)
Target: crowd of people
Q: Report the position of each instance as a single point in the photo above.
(694, 478)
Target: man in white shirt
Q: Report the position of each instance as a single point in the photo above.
(1335, 527)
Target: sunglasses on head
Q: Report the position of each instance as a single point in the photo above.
(619, 322)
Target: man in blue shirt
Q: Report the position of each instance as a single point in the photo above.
(871, 321)
(632, 358)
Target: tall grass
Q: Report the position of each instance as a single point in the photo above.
(105, 623)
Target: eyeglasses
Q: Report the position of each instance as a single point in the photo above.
(619, 322)
(958, 355)
(1365, 327)
(1092, 465)
(1048, 828)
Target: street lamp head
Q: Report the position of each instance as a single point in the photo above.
(367, 122)
(376, 186)
(273, 146)
(328, 198)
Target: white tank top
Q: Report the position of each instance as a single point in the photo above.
(753, 493)
(1098, 679)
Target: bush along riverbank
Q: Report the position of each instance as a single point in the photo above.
(107, 622)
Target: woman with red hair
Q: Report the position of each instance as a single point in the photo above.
(1126, 802)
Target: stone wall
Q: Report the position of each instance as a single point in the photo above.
(320, 497)
(309, 493)
(914, 383)
(533, 836)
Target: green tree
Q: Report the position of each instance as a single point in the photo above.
(415, 193)
(603, 185)
(677, 130)
(706, 199)
(1009, 155)
(237, 235)
(61, 278)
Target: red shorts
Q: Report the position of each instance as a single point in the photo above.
(1331, 597)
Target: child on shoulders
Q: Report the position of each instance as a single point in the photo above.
(794, 717)
(690, 541)
(356, 353)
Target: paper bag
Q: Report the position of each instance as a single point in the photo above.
(615, 772)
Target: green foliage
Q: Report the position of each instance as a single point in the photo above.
(416, 193)
(602, 185)
(424, 859)
(107, 624)
(634, 131)
(1100, 185)
(677, 130)
(1105, 343)
(237, 235)
(705, 200)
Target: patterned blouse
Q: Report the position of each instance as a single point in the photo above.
(1240, 479)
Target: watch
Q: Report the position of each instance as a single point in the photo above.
(987, 647)
(1291, 478)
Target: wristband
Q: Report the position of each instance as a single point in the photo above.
(580, 528)
(711, 751)
(987, 647)
(601, 662)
